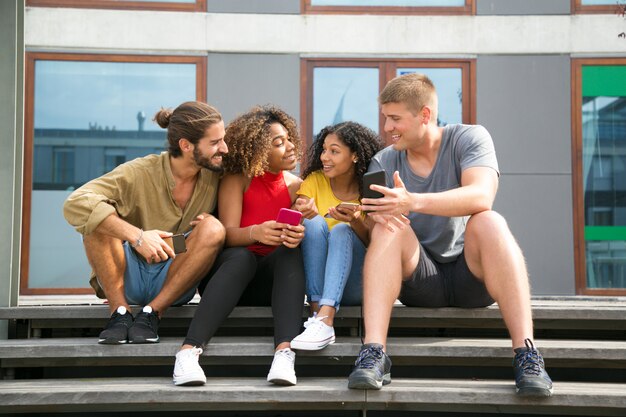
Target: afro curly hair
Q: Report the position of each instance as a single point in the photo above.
(249, 141)
(363, 141)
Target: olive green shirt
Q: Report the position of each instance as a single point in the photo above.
(140, 192)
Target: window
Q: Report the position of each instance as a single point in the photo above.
(598, 6)
(599, 159)
(175, 5)
(86, 114)
(390, 6)
(339, 90)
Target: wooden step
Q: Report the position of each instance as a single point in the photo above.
(51, 352)
(159, 394)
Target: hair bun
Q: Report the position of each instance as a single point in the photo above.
(162, 117)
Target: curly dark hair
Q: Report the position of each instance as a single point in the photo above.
(363, 141)
(249, 141)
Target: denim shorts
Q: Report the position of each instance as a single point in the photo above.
(436, 284)
(144, 281)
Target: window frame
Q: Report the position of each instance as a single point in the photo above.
(387, 70)
(29, 133)
(578, 197)
(579, 8)
(197, 6)
(468, 9)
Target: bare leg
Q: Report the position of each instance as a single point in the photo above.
(493, 255)
(390, 257)
(106, 256)
(203, 246)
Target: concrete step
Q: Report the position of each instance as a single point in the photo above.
(586, 313)
(158, 394)
(73, 352)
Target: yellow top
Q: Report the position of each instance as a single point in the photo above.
(317, 187)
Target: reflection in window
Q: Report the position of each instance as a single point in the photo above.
(341, 94)
(604, 174)
(88, 118)
(449, 85)
(422, 3)
(598, 2)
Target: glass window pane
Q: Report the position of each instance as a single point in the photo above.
(89, 117)
(449, 85)
(341, 94)
(420, 3)
(598, 2)
(604, 174)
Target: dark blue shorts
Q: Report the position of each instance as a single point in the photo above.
(436, 284)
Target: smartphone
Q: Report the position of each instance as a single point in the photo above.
(377, 177)
(177, 243)
(344, 207)
(289, 216)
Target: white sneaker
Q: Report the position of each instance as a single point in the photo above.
(282, 372)
(187, 370)
(317, 335)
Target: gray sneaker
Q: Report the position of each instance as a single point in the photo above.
(372, 368)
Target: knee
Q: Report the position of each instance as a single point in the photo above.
(210, 233)
(488, 223)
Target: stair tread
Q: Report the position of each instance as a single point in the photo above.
(262, 346)
(310, 393)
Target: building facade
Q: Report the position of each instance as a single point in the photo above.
(547, 78)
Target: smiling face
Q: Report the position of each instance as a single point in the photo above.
(406, 129)
(337, 158)
(208, 152)
(282, 155)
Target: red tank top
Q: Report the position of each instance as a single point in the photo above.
(265, 196)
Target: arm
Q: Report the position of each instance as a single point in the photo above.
(98, 205)
(476, 193)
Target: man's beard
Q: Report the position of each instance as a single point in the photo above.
(204, 162)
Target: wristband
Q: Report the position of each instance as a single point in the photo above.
(250, 234)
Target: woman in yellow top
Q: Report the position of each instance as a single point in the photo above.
(334, 243)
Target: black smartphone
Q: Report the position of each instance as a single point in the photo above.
(177, 243)
(377, 177)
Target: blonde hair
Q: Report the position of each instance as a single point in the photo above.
(414, 90)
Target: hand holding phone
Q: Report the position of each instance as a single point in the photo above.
(289, 216)
(378, 178)
(344, 208)
(177, 243)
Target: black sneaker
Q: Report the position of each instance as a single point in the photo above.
(531, 378)
(116, 330)
(372, 368)
(146, 327)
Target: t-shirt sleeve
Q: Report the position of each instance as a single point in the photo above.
(307, 188)
(475, 149)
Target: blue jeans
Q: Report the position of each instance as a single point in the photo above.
(333, 263)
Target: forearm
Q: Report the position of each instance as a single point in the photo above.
(462, 201)
(115, 227)
(241, 236)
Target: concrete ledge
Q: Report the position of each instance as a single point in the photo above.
(152, 394)
(259, 350)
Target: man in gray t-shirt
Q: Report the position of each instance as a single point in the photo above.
(441, 181)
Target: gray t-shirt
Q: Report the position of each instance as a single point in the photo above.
(462, 147)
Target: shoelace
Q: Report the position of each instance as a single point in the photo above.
(193, 352)
(148, 319)
(529, 360)
(313, 320)
(369, 357)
